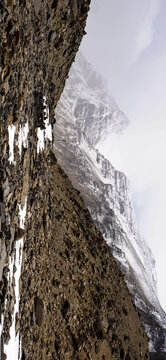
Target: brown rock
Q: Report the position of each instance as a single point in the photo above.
(70, 285)
(20, 233)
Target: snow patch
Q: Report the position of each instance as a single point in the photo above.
(12, 349)
(48, 128)
(1, 330)
(46, 133)
(11, 131)
(91, 155)
(40, 142)
(23, 137)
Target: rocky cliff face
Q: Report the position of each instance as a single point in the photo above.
(106, 191)
(74, 302)
(62, 294)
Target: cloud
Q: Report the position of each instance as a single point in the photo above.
(119, 33)
(140, 152)
(146, 32)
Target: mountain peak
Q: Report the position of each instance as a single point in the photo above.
(85, 117)
(95, 112)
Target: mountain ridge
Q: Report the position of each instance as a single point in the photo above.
(106, 193)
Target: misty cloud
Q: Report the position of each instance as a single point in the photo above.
(126, 44)
(146, 32)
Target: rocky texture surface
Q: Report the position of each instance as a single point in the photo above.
(74, 302)
(71, 301)
(106, 191)
(38, 42)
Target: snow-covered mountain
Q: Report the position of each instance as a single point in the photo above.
(86, 114)
(94, 111)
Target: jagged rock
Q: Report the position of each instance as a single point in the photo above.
(72, 293)
(31, 67)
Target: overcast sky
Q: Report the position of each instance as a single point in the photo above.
(126, 43)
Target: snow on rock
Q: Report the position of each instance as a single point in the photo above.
(40, 142)
(85, 115)
(11, 131)
(137, 253)
(12, 349)
(90, 107)
(48, 128)
(44, 134)
(23, 137)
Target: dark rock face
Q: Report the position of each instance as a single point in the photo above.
(158, 356)
(74, 303)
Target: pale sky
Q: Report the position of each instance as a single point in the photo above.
(126, 43)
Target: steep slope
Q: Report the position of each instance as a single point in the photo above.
(78, 304)
(62, 294)
(105, 190)
(38, 42)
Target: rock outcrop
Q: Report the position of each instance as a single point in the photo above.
(71, 301)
